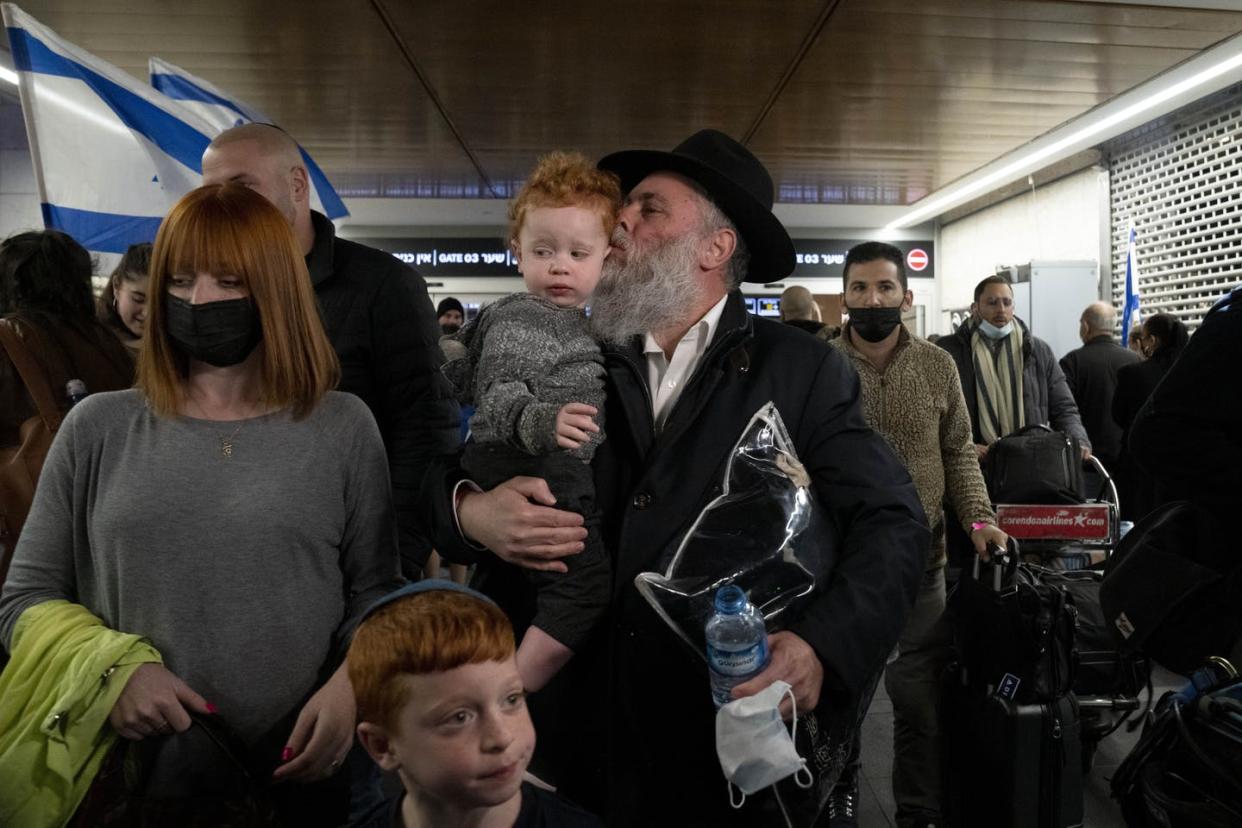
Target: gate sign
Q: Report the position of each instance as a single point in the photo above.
(825, 258)
(917, 259)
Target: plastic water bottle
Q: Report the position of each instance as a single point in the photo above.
(75, 390)
(737, 643)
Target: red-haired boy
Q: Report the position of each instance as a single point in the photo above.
(440, 703)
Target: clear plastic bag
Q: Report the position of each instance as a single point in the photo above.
(765, 533)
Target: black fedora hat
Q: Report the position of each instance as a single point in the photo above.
(735, 180)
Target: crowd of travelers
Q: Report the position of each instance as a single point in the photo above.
(226, 478)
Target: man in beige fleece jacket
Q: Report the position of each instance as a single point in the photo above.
(911, 395)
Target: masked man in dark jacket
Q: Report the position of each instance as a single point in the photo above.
(1010, 378)
(687, 367)
(377, 315)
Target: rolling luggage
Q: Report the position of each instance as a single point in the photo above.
(1010, 722)
(1010, 764)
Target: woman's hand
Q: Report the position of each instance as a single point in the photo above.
(323, 733)
(155, 703)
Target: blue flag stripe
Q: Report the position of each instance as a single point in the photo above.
(180, 89)
(332, 204)
(103, 232)
(172, 135)
(1131, 295)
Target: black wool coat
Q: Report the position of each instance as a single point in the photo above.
(628, 728)
(1188, 435)
(1091, 373)
(383, 328)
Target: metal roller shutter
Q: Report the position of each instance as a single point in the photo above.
(1179, 181)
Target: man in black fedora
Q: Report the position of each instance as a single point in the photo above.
(633, 733)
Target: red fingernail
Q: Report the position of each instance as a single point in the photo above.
(286, 754)
(211, 708)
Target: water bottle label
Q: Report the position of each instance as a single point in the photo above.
(738, 662)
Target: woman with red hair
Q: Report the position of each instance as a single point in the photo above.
(232, 509)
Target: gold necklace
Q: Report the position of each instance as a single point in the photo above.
(226, 443)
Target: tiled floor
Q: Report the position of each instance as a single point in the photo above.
(877, 809)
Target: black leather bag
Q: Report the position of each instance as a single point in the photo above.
(1103, 668)
(1035, 465)
(1014, 634)
(206, 781)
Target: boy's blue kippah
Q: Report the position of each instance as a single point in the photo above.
(425, 585)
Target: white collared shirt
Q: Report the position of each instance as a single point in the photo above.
(666, 378)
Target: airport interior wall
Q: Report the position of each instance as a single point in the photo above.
(1061, 221)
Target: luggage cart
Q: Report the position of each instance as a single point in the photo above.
(1067, 535)
(1068, 545)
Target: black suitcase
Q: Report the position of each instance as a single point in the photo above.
(1010, 764)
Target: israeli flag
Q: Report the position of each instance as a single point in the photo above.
(1130, 313)
(223, 111)
(111, 155)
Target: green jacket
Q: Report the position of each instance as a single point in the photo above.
(66, 674)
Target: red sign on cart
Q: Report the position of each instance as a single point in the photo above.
(1087, 522)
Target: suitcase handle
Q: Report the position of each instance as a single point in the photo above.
(1005, 569)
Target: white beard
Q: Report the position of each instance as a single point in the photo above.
(651, 291)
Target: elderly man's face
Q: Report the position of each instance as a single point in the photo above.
(663, 206)
(653, 277)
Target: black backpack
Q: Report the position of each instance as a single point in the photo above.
(1035, 465)
(1170, 589)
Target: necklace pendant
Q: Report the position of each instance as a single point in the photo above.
(226, 447)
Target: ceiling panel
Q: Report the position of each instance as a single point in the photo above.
(882, 100)
(947, 87)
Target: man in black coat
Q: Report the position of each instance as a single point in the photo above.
(1091, 372)
(1187, 438)
(1188, 435)
(377, 315)
(687, 368)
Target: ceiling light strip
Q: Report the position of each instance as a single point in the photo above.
(1207, 72)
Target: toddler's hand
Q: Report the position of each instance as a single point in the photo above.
(575, 425)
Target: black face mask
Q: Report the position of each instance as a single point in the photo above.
(873, 324)
(218, 333)
(448, 328)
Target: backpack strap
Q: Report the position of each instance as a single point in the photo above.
(33, 377)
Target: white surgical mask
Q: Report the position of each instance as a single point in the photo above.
(755, 748)
(992, 332)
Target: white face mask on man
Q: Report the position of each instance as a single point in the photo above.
(992, 332)
(755, 748)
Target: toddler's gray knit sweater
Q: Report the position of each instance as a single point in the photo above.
(525, 357)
